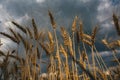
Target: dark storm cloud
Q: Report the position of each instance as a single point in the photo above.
(19, 8)
(64, 10)
(90, 12)
(85, 11)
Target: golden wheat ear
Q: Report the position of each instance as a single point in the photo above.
(74, 24)
(20, 27)
(50, 37)
(62, 50)
(45, 49)
(94, 32)
(52, 19)
(81, 29)
(65, 36)
(116, 23)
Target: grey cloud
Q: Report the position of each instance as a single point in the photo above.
(63, 10)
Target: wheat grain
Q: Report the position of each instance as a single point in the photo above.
(52, 20)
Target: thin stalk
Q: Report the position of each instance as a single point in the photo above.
(102, 61)
(74, 56)
(58, 54)
(67, 68)
(73, 73)
(104, 65)
(92, 77)
(113, 52)
(98, 62)
(28, 66)
(97, 59)
(35, 64)
(40, 58)
(93, 62)
(87, 55)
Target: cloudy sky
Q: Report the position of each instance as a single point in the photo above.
(91, 12)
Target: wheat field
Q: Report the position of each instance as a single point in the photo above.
(66, 60)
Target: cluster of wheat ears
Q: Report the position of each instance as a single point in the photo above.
(64, 63)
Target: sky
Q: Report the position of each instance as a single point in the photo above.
(91, 12)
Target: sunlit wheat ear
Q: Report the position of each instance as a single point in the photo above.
(50, 37)
(74, 24)
(104, 41)
(35, 29)
(71, 47)
(65, 36)
(83, 57)
(63, 31)
(86, 36)
(42, 36)
(108, 45)
(114, 44)
(87, 42)
(116, 23)
(52, 20)
(50, 45)
(94, 32)
(19, 27)
(62, 50)
(9, 36)
(45, 48)
(14, 33)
